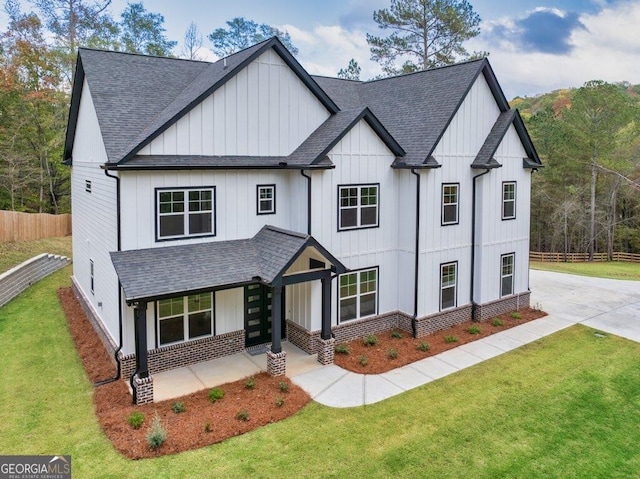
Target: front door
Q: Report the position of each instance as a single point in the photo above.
(257, 314)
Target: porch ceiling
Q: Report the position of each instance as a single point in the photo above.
(154, 273)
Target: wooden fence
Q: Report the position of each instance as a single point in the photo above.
(16, 226)
(582, 257)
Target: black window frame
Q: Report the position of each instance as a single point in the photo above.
(455, 286)
(513, 273)
(273, 199)
(87, 186)
(358, 207)
(92, 276)
(442, 206)
(185, 212)
(185, 319)
(358, 294)
(514, 200)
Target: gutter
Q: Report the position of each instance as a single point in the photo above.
(414, 329)
(474, 305)
(119, 243)
(308, 177)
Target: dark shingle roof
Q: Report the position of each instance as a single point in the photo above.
(160, 272)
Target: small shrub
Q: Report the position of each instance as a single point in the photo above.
(251, 383)
(497, 322)
(178, 407)
(392, 353)
(342, 349)
(423, 347)
(450, 339)
(371, 340)
(283, 387)
(474, 330)
(363, 360)
(157, 434)
(216, 394)
(279, 402)
(242, 416)
(136, 419)
(396, 335)
(516, 315)
(207, 427)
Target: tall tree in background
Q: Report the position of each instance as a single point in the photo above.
(143, 32)
(352, 72)
(242, 33)
(192, 43)
(424, 34)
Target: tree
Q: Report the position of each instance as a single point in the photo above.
(192, 43)
(143, 32)
(352, 72)
(242, 33)
(424, 34)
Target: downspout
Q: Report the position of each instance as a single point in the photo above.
(119, 244)
(414, 329)
(474, 305)
(308, 177)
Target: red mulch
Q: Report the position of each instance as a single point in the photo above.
(185, 430)
(378, 360)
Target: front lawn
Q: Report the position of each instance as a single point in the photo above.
(611, 270)
(566, 406)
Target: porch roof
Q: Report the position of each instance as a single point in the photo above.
(154, 273)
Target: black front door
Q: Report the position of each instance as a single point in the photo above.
(257, 314)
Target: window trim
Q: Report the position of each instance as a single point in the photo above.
(358, 271)
(92, 276)
(185, 320)
(185, 189)
(513, 273)
(359, 206)
(273, 199)
(457, 221)
(87, 186)
(455, 286)
(515, 199)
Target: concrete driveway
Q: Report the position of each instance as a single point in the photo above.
(609, 305)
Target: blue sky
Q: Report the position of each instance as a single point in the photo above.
(535, 45)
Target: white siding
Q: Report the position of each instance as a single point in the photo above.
(263, 110)
(229, 314)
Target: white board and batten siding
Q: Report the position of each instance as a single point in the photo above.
(264, 110)
(94, 217)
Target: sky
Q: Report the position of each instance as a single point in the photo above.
(535, 46)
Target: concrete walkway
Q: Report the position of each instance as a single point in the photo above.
(608, 305)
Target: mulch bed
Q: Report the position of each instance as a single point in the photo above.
(186, 430)
(377, 357)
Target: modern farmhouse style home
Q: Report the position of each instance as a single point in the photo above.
(220, 206)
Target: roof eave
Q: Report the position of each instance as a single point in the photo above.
(74, 108)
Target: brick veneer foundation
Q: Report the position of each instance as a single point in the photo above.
(442, 320)
(514, 302)
(326, 351)
(92, 316)
(144, 389)
(276, 363)
(363, 327)
(305, 340)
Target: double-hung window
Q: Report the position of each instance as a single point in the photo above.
(509, 200)
(184, 318)
(506, 274)
(91, 275)
(185, 212)
(448, 285)
(266, 199)
(358, 206)
(450, 202)
(358, 294)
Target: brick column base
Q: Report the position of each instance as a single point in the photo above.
(326, 351)
(277, 363)
(143, 389)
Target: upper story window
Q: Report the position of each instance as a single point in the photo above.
(91, 275)
(185, 212)
(509, 200)
(506, 274)
(358, 206)
(358, 294)
(87, 186)
(266, 199)
(185, 318)
(448, 285)
(450, 202)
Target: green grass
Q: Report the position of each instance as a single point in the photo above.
(611, 270)
(14, 253)
(567, 406)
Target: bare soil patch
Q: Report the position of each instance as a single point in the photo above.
(379, 357)
(202, 423)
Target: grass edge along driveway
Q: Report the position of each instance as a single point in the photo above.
(609, 270)
(565, 406)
